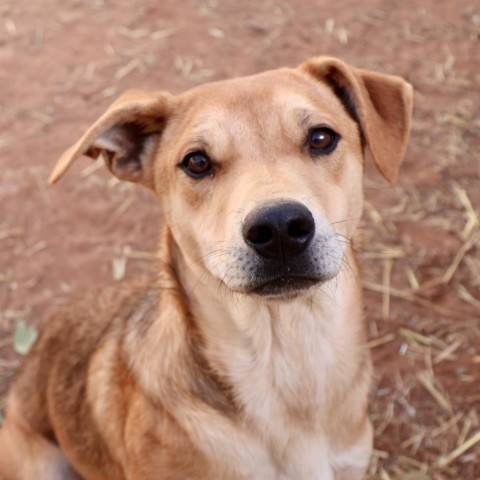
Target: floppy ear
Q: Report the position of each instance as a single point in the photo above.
(126, 136)
(381, 104)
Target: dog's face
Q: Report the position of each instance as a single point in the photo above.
(264, 181)
(260, 177)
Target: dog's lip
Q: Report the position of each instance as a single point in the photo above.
(285, 285)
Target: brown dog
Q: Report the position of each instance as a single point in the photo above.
(245, 358)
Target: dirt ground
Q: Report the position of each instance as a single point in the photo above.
(63, 62)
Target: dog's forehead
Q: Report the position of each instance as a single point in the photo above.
(282, 91)
(255, 84)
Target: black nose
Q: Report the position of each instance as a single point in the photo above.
(279, 231)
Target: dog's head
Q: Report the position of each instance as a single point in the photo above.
(260, 177)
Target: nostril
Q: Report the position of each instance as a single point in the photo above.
(299, 228)
(279, 231)
(260, 234)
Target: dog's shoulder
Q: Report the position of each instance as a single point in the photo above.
(96, 311)
(71, 336)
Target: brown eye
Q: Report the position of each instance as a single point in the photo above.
(197, 164)
(322, 140)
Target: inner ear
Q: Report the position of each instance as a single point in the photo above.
(128, 149)
(344, 93)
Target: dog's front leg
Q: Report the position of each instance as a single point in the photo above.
(352, 463)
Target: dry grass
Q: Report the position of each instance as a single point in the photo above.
(431, 403)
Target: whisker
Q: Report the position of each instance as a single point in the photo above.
(353, 219)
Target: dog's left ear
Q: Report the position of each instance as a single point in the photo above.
(381, 104)
(126, 136)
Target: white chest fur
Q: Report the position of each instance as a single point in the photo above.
(291, 365)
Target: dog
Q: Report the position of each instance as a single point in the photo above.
(245, 357)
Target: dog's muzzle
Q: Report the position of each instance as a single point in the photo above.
(280, 235)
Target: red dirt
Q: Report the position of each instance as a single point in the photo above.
(62, 63)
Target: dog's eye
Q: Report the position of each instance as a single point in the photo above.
(322, 140)
(197, 164)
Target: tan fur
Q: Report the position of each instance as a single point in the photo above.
(192, 375)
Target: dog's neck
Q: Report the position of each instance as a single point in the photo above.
(265, 348)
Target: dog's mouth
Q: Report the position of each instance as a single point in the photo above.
(285, 286)
(284, 278)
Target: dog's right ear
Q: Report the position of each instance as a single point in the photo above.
(126, 136)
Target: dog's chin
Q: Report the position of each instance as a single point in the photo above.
(285, 287)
